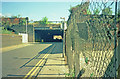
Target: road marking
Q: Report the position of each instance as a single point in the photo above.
(35, 68)
(38, 66)
(35, 56)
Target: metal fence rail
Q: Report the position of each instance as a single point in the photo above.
(91, 40)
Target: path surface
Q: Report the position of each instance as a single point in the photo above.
(36, 60)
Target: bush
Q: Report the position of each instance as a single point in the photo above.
(5, 31)
(44, 21)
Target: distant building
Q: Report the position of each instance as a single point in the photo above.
(13, 21)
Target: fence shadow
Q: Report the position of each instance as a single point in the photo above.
(111, 70)
(56, 50)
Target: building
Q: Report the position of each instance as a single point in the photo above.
(13, 21)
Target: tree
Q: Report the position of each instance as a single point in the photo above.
(118, 13)
(22, 21)
(107, 11)
(71, 8)
(96, 11)
(18, 16)
(89, 12)
(44, 21)
(13, 16)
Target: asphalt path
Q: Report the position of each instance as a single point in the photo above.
(22, 62)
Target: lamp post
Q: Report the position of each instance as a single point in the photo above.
(26, 36)
(63, 21)
(26, 23)
(26, 26)
(33, 32)
(64, 37)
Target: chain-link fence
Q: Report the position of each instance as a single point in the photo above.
(91, 40)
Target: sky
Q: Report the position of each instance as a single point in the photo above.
(37, 10)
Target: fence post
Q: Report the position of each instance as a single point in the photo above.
(118, 50)
(119, 57)
(63, 41)
(118, 40)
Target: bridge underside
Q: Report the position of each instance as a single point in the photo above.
(48, 35)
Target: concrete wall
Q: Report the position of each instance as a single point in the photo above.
(9, 40)
(24, 37)
(30, 30)
(22, 29)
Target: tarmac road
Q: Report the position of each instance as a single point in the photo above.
(28, 61)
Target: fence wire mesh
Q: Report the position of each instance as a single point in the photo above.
(91, 39)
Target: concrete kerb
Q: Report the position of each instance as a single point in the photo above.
(5, 49)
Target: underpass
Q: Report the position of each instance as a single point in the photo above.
(48, 34)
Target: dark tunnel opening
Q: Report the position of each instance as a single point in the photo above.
(48, 35)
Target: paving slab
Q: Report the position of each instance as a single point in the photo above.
(54, 67)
